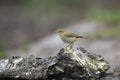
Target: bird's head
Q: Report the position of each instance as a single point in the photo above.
(60, 30)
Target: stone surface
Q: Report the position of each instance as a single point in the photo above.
(68, 64)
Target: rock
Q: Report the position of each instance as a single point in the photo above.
(114, 75)
(68, 64)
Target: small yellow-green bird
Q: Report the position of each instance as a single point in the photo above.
(69, 37)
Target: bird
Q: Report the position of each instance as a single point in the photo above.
(68, 37)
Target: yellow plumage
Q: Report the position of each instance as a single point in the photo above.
(69, 37)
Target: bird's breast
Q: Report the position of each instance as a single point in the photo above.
(69, 40)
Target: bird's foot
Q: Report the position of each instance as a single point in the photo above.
(68, 49)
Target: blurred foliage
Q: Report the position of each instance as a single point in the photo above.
(54, 9)
(26, 47)
(110, 17)
(111, 32)
(2, 52)
(52, 4)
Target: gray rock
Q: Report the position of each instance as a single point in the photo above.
(68, 64)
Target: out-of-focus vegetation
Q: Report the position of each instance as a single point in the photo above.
(113, 32)
(107, 33)
(56, 9)
(25, 47)
(109, 17)
(2, 52)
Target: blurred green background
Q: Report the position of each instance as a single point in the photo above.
(23, 22)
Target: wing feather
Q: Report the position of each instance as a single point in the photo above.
(74, 35)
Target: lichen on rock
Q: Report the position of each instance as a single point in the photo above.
(79, 63)
(67, 64)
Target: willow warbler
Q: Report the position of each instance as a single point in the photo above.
(69, 37)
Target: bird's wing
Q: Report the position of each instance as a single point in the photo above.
(71, 35)
(74, 35)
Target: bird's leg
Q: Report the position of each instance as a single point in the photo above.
(67, 47)
(70, 46)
